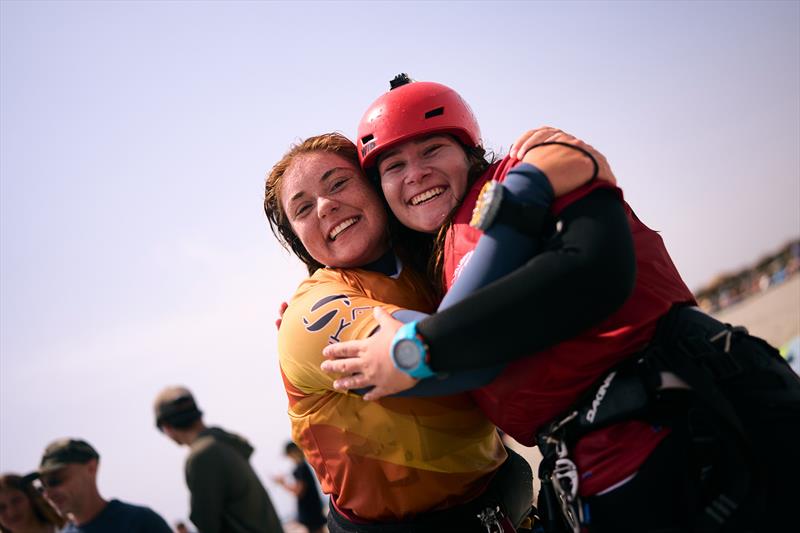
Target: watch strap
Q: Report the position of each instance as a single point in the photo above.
(408, 332)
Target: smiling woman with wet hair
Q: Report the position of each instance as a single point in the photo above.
(427, 460)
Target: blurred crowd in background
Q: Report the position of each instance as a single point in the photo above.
(730, 288)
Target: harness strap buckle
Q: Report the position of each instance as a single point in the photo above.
(490, 519)
(716, 359)
(564, 480)
(565, 477)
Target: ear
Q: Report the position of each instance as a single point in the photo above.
(92, 466)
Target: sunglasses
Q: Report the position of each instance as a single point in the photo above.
(50, 481)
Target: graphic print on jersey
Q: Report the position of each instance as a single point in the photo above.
(340, 304)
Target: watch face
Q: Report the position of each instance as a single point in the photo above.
(487, 205)
(407, 354)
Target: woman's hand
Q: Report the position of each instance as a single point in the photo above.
(366, 362)
(566, 168)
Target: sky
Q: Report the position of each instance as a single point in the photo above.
(135, 138)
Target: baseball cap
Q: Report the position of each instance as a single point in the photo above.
(66, 451)
(176, 406)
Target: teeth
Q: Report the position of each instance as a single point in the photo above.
(427, 195)
(341, 227)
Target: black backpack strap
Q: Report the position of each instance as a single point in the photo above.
(702, 362)
(696, 348)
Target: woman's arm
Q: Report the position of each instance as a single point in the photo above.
(501, 250)
(584, 274)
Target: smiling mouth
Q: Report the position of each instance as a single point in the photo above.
(341, 226)
(426, 196)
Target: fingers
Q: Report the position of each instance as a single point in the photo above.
(351, 382)
(343, 366)
(382, 316)
(529, 139)
(386, 321)
(379, 313)
(512, 152)
(376, 394)
(342, 349)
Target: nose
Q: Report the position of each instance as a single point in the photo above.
(326, 206)
(416, 170)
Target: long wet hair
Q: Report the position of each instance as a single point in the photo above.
(479, 161)
(43, 511)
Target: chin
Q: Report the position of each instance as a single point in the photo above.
(428, 226)
(430, 223)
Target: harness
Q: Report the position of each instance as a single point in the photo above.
(696, 349)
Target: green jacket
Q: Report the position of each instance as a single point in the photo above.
(227, 496)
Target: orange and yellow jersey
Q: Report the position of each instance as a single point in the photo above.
(390, 459)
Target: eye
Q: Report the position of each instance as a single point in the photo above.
(432, 149)
(339, 183)
(302, 210)
(391, 166)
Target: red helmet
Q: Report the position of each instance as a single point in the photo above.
(411, 109)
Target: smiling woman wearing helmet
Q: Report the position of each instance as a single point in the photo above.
(644, 407)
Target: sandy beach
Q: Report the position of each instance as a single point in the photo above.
(773, 315)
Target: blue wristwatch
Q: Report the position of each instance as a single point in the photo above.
(410, 353)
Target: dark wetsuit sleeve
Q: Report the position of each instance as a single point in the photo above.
(583, 274)
(442, 385)
(502, 248)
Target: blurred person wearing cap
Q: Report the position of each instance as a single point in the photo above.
(226, 494)
(68, 473)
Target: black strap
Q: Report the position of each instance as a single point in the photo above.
(632, 391)
(736, 486)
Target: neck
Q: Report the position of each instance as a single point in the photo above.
(89, 512)
(385, 264)
(190, 435)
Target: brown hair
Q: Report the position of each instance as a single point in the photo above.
(42, 510)
(479, 160)
(334, 143)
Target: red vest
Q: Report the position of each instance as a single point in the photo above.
(532, 391)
